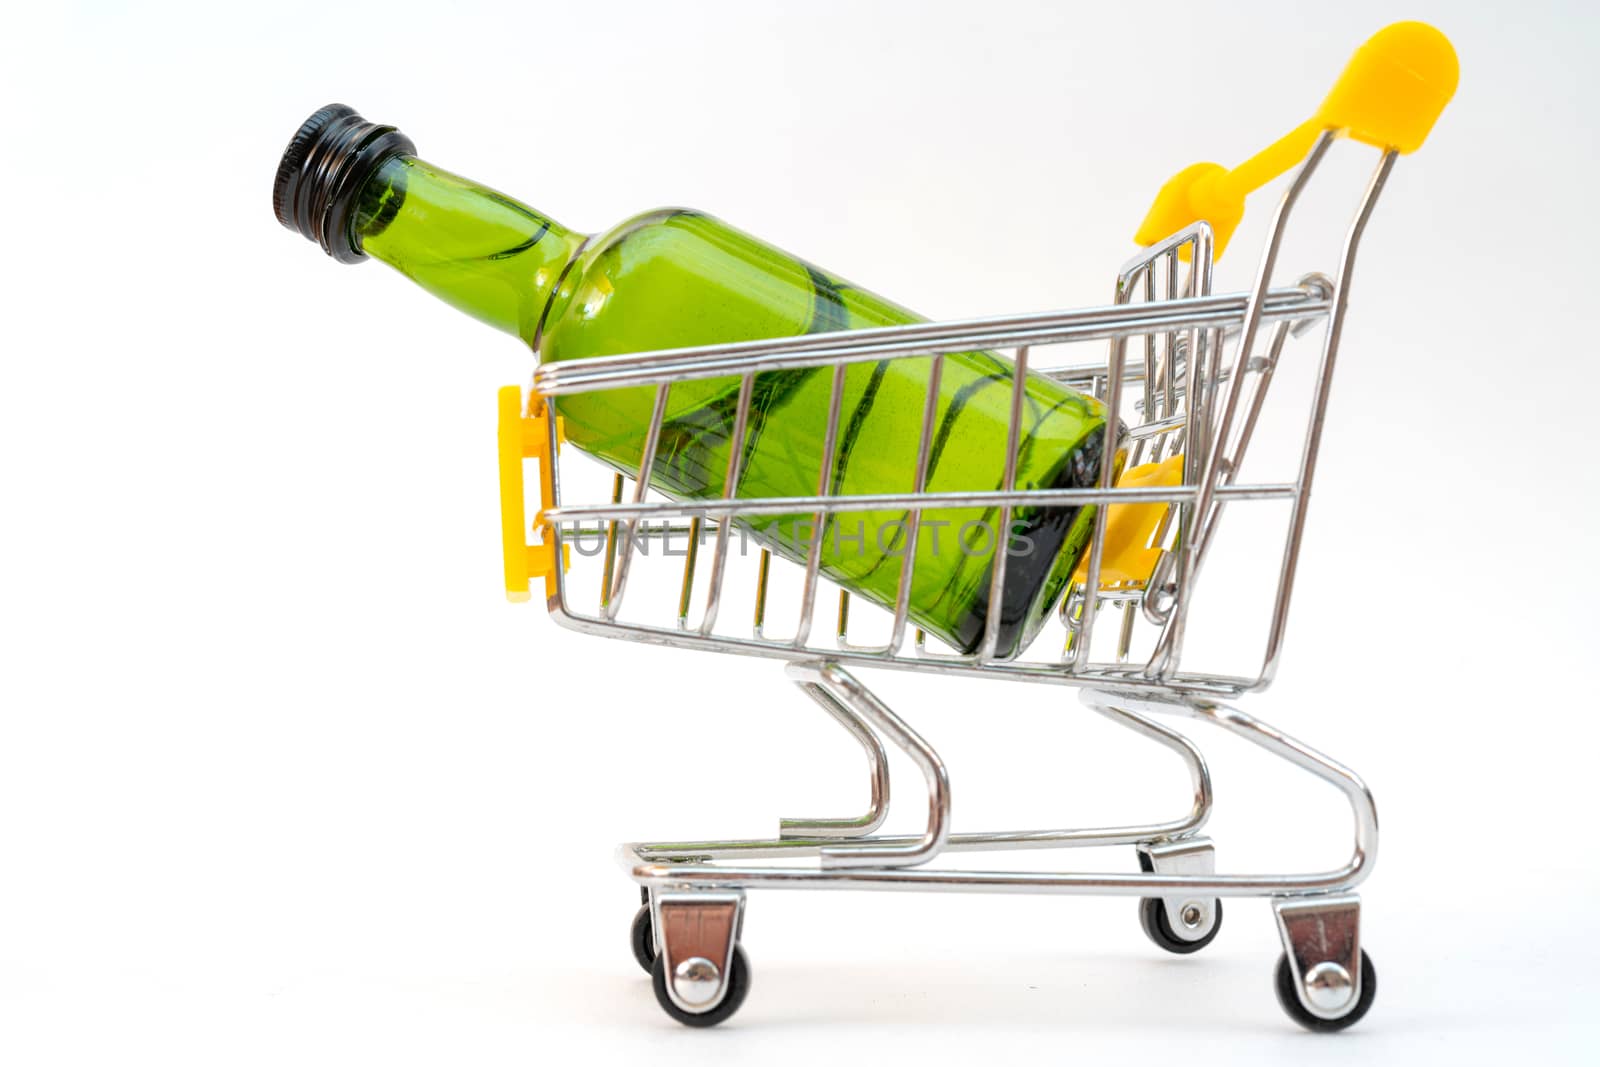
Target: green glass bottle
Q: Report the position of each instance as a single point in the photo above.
(675, 278)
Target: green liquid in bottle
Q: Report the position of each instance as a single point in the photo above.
(672, 278)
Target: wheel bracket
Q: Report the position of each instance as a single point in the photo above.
(1322, 939)
(696, 933)
(1190, 917)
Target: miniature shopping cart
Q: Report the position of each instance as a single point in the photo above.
(1189, 372)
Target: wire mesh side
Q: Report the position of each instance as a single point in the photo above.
(1187, 371)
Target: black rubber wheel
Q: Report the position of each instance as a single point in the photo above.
(738, 986)
(1297, 1011)
(643, 939)
(1153, 919)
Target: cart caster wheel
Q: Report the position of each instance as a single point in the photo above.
(1297, 1011)
(1153, 917)
(1158, 928)
(643, 939)
(738, 985)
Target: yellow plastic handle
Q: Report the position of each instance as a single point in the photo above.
(1391, 93)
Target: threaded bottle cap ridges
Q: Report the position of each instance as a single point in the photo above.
(325, 165)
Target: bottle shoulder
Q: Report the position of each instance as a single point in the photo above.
(677, 232)
(644, 222)
(671, 277)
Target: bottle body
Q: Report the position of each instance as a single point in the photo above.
(673, 278)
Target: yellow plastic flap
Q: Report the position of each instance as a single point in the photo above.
(525, 435)
(1128, 558)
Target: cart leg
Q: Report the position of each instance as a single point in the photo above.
(844, 688)
(1325, 980)
(1199, 773)
(877, 770)
(699, 971)
(1301, 755)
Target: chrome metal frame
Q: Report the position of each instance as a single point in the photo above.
(1196, 383)
(896, 860)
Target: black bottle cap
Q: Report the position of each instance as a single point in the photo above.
(327, 162)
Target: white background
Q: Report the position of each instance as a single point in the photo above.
(283, 779)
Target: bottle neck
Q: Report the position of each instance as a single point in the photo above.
(478, 250)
